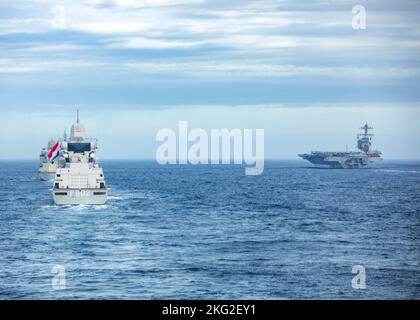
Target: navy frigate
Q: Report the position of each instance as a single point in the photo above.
(347, 160)
(46, 167)
(81, 179)
(49, 160)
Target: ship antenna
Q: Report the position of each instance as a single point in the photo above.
(77, 115)
(366, 129)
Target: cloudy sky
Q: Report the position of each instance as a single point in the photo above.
(294, 68)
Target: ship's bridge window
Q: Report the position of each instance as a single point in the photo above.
(78, 147)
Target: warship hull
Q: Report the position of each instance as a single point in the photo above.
(80, 196)
(344, 160)
(47, 171)
(46, 176)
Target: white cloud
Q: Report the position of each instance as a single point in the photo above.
(43, 65)
(144, 3)
(30, 25)
(223, 69)
(110, 27)
(147, 43)
(254, 39)
(48, 48)
(207, 70)
(249, 43)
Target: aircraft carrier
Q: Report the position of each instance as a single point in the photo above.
(347, 160)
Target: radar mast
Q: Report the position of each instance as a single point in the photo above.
(364, 139)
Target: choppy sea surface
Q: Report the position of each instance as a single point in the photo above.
(211, 232)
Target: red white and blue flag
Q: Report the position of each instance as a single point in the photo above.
(55, 150)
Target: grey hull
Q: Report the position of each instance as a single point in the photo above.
(46, 176)
(343, 161)
(80, 196)
(336, 165)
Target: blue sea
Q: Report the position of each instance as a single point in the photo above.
(211, 232)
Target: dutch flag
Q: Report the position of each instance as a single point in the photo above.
(55, 150)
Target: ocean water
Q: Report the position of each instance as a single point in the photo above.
(210, 232)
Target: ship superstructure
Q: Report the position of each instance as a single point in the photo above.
(352, 159)
(81, 179)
